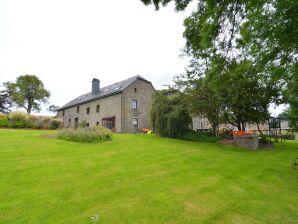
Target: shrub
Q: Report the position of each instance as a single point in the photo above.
(32, 123)
(288, 137)
(198, 137)
(56, 123)
(83, 124)
(86, 135)
(3, 120)
(19, 119)
(46, 122)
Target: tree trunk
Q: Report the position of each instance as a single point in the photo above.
(243, 126)
(214, 130)
(29, 108)
(260, 130)
(239, 126)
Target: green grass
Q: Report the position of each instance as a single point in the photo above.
(143, 179)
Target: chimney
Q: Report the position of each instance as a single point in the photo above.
(95, 86)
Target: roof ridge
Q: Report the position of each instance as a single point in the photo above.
(103, 92)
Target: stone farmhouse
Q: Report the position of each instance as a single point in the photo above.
(122, 107)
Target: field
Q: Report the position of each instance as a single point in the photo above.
(143, 179)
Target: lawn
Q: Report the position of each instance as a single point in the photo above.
(143, 179)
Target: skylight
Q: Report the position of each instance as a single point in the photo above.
(82, 97)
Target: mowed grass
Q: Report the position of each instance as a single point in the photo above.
(143, 179)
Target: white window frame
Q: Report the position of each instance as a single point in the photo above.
(134, 104)
(137, 119)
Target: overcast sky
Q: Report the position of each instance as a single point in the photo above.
(67, 43)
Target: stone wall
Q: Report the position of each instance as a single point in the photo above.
(109, 107)
(142, 92)
(249, 142)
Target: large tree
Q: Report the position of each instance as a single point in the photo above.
(237, 94)
(28, 92)
(202, 99)
(264, 31)
(222, 36)
(245, 94)
(169, 113)
(291, 94)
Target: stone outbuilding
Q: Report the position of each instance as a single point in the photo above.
(123, 106)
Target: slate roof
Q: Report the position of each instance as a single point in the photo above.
(106, 91)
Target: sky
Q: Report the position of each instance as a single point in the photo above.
(67, 43)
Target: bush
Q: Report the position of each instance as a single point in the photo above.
(3, 120)
(45, 122)
(19, 119)
(288, 137)
(198, 137)
(56, 123)
(32, 120)
(86, 135)
(83, 124)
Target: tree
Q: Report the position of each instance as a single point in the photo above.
(202, 99)
(5, 102)
(53, 108)
(264, 32)
(28, 92)
(169, 114)
(179, 4)
(237, 95)
(251, 49)
(291, 95)
(245, 94)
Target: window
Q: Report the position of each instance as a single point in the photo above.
(134, 104)
(97, 123)
(135, 122)
(97, 108)
(63, 112)
(135, 90)
(76, 124)
(88, 110)
(69, 122)
(78, 109)
(87, 125)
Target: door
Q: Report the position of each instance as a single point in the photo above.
(109, 122)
